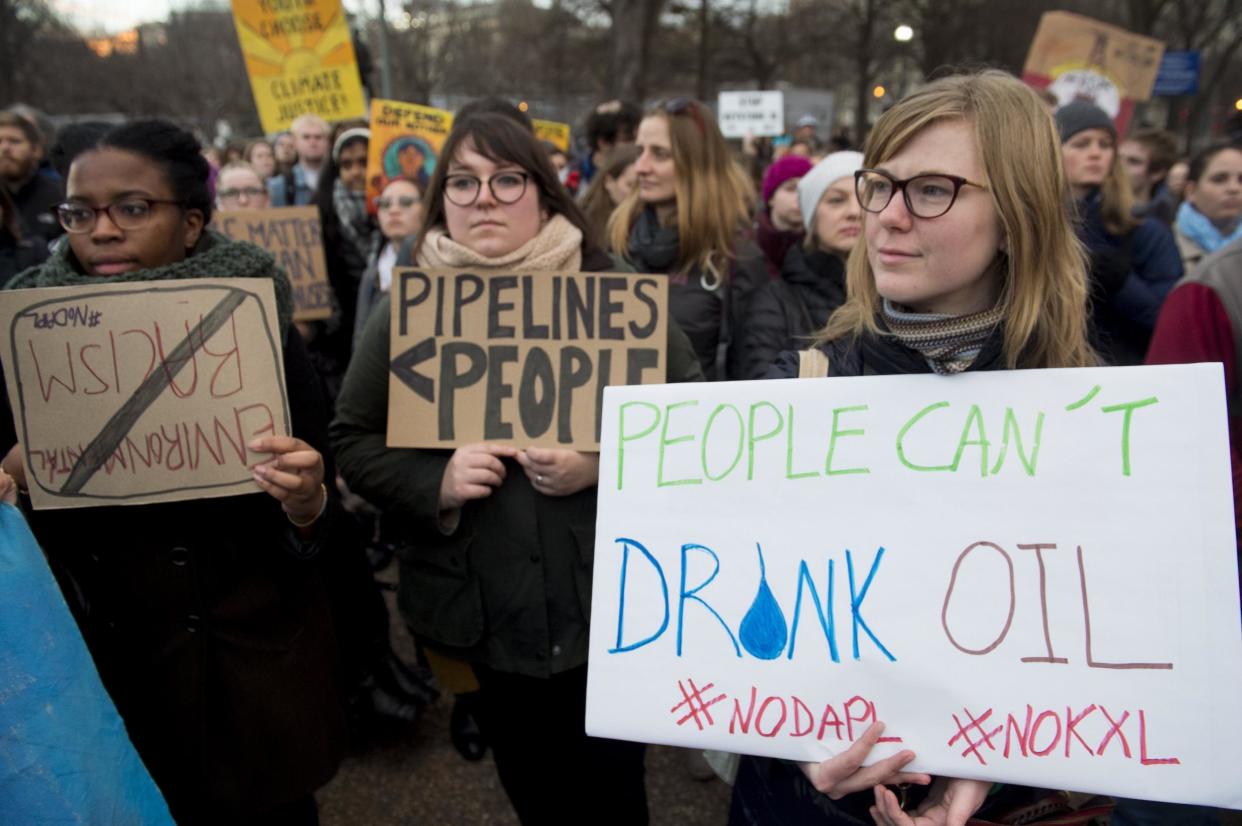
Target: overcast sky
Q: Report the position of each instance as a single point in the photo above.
(113, 16)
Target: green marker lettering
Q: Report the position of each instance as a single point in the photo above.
(751, 438)
(789, 451)
(837, 433)
(901, 451)
(1011, 425)
(622, 438)
(741, 435)
(1128, 408)
(975, 417)
(666, 441)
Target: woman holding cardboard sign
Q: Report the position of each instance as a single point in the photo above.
(208, 618)
(967, 262)
(502, 538)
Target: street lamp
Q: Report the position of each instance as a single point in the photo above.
(903, 33)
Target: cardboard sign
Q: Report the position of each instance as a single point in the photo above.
(125, 394)
(405, 143)
(300, 59)
(1028, 576)
(761, 114)
(1076, 57)
(554, 133)
(294, 237)
(520, 359)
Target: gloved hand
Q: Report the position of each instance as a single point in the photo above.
(1110, 267)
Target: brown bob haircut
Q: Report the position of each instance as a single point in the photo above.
(502, 140)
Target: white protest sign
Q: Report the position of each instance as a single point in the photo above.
(761, 114)
(1029, 576)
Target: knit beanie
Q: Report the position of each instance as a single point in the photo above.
(1079, 115)
(813, 184)
(790, 166)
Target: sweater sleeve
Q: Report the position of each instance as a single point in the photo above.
(406, 480)
(1157, 267)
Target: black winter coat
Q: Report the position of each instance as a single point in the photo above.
(785, 314)
(510, 587)
(208, 620)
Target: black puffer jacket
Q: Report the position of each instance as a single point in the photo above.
(784, 314)
(710, 312)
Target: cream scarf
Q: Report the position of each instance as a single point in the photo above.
(557, 247)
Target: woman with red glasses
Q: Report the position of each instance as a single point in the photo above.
(688, 218)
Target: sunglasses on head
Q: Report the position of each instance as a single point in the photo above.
(684, 106)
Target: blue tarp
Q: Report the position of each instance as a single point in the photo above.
(65, 756)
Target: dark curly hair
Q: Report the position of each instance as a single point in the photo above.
(177, 152)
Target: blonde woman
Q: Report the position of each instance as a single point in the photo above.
(687, 218)
(615, 180)
(967, 262)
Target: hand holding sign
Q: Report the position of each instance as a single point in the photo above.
(472, 472)
(8, 489)
(293, 477)
(558, 472)
(844, 774)
(951, 803)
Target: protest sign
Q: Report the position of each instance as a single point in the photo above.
(294, 237)
(405, 142)
(1076, 57)
(554, 133)
(300, 60)
(1028, 576)
(761, 114)
(125, 394)
(520, 358)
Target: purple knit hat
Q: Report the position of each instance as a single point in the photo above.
(790, 166)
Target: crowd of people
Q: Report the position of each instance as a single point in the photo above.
(973, 232)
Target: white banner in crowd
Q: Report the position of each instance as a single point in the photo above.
(761, 114)
(1028, 576)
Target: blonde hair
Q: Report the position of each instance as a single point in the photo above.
(1043, 266)
(1116, 196)
(714, 194)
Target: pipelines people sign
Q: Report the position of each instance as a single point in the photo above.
(293, 236)
(300, 60)
(1028, 576)
(125, 394)
(521, 358)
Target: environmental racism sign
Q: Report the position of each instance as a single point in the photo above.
(126, 394)
(1028, 576)
(405, 143)
(300, 59)
(519, 358)
(761, 114)
(1076, 57)
(293, 236)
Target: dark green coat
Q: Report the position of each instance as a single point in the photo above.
(511, 587)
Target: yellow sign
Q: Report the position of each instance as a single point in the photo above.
(405, 142)
(300, 60)
(555, 133)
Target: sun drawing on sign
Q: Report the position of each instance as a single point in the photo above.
(292, 53)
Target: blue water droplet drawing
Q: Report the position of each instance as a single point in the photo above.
(764, 632)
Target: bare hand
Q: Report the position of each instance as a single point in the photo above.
(554, 471)
(293, 476)
(844, 774)
(951, 802)
(8, 489)
(14, 466)
(473, 472)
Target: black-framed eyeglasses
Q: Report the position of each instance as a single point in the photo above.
(127, 213)
(925, 196)
(506, 187)
(403, 201)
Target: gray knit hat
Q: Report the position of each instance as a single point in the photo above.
(1079, 115)
(813, 184)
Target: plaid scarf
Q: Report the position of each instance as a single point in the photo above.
(351, 211)
(949, 343)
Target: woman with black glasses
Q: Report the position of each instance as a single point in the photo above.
(688, 218)
(207, 618)
(501, 538)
